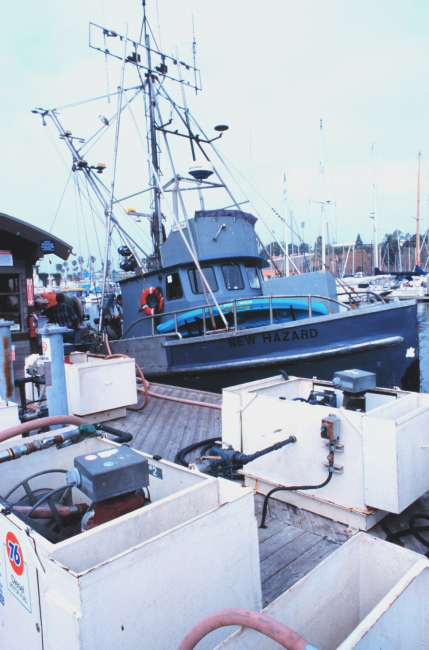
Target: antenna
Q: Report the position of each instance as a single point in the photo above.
(323, 202)
(194, 54)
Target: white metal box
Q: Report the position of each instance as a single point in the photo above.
(140, 581)
(382, 456)
(96, 389)
(367, 595)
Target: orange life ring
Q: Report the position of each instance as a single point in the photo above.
(152, 301)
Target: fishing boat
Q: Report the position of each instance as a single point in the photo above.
(196, 308)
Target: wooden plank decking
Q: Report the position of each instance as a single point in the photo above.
(295, 541)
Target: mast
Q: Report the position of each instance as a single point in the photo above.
(374, 209)
(418, 214)
(286, 228)
(156, 223)
(322, 202)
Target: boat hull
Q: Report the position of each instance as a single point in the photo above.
(381, 339)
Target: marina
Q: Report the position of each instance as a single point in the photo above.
(212, 436)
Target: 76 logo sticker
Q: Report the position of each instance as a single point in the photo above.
(14, 554)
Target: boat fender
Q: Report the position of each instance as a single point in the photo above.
(152, 301)
(32, 325)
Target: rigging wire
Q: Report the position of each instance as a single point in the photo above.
(92, 210)
(61, 200)
(56, 147)
(78, 192)
(92, 99)
(102, 130)
(223, 160)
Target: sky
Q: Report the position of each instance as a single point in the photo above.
(270, 71)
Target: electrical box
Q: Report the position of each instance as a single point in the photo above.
(355, 381)
(109, 473)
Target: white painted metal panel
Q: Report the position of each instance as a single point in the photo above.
(396, 457)
(8, 415)
(345, 602)
(19, 593)
(384, 454)
(100, 385)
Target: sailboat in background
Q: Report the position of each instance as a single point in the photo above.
(196, 309)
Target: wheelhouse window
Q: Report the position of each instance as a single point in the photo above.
(195, 279)
(173, 287)
(252, 276)
(232, 277)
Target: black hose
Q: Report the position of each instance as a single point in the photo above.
(292, 487)
(180, 456)
(412, 530)
(120, 436)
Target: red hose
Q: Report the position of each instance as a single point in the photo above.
(146, 387)
(145, 384)
(106, 341)
(283, 635)
(26, 427)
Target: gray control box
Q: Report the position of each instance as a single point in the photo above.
(109, 473)
(354, 381)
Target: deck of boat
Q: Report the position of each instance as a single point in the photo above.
(295, 541)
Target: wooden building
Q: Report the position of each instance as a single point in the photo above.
(21, 246)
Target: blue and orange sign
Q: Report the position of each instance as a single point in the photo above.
(14, 554)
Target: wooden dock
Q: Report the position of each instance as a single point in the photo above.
(295, 541)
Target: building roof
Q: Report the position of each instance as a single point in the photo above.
(43, 241)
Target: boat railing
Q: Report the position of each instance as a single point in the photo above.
(234, 301)
(364, 294)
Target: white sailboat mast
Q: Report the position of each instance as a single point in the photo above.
(286, 212)
(322, 197)
(374, 209)
(418, 215)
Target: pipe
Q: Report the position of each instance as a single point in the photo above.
(184, 401)
(26, 427)
(46, 513)
(121, 436)
(283, 635)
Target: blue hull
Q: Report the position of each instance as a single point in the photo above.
(381, 339)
